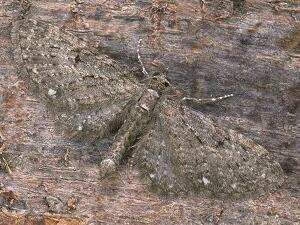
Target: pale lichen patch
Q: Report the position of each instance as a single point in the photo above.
(205, 181)
(51, 92)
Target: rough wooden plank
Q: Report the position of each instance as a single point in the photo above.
(250, 53)
(46, 219)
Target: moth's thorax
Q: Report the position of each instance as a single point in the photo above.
(159, 83)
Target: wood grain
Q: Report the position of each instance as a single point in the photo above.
(241, 54)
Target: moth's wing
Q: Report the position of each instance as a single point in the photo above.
(183, 151)
(87, 91)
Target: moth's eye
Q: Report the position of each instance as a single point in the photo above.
(154, 78)
(167, 84)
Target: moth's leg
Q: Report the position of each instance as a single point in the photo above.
(206, 100)
(133, 127)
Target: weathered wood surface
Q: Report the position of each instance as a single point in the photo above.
(249, 48)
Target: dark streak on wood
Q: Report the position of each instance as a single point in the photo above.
(205, 58)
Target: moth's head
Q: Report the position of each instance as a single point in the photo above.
(159, 82)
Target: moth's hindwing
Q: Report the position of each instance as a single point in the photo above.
(85, 90)
(183, 151)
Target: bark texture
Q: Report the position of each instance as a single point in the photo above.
(248, 48)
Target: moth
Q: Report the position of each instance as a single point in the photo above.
(177, 150)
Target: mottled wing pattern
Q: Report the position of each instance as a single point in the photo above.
(87, 91)
(183, 151)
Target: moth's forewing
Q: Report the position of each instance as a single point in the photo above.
(85, 90)
(183, 151)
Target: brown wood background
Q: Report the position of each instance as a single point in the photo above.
(249, 48)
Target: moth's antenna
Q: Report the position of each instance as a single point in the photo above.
(207, 100)
(140, 60)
